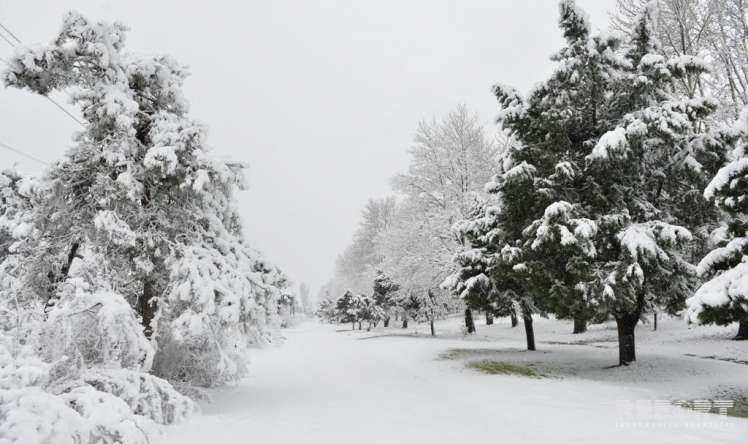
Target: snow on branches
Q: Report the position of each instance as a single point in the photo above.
(128, 256)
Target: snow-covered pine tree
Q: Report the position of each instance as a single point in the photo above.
(504, 239)
(384, 291)
(369, 311)
(327, 311)
(411, 306)
(17, 200)
(18, 196)
(606, 137)
(140, 191)
(723, 298)
(425, 305)
(646, 175)
(554, 128)
(347, 309)
(471, 282)
(562, 252)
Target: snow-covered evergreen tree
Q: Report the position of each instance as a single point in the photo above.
(327, 311)
(18, 197)
(475, 262)
(384, 292)
(646, 175)
(347, 309)
(490, 263)
(127, 256)
(553, 128)
(140, 189)
(608, 160)
(723, 298)
(369, 311)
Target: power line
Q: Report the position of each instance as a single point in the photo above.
(21, 153)
(54, 102)
(65, 111)
(7, 40)
(10, 33)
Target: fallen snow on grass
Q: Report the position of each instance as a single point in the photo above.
(332, 385)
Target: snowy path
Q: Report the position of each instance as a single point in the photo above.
(324, 386)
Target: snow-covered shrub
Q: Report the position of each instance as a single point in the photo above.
(79, 376)
(203, 361)
(222, 300)
(98, 326)
(146, 395)
(83, 414)
(41, 403)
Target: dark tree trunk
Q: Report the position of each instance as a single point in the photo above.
(433, 332)
(655, 322)
(513, 317)
(529, 332)
(742, 331)
(469, 324)
(386, 322)
(626, 340)
(353, 325)
(64, 271)
(72, 254)
(405, 322)
(147, 307)
(489, 318)
(359, 325)
(580, 325)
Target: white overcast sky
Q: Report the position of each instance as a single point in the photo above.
(320, 97)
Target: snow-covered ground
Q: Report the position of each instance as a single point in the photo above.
(327, 384)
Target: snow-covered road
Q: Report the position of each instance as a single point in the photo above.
(328, 386)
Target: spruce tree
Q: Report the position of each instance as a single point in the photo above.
(723, 298)
(384, 290)
(646, 176)
(553, 129)
(347, 310)
(491, 273)
(601, 191)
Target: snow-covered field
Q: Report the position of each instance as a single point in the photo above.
(327, 384)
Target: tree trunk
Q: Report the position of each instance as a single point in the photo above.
(655, 322)
(626, 341)
(62, 277)
(386, 322)
(353, 325)
(580, 325)
(469, 324)
(742, 331)
(405, 322)
(433, 332)
(359, 325)
(489, 318)
(147, 306)
(529, 332)
(513, 317)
